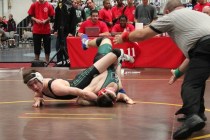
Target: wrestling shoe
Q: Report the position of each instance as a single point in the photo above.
(84, 39)
(125, 57)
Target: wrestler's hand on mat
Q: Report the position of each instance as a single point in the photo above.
(38, 102)
(173, 77)
(129, 101)
(123, 97)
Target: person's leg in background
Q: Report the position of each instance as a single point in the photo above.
(37, 45)
(47, 46)
(65, 57)
(59, 53)
(61, 48)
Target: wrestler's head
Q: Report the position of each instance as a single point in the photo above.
(106, 97)
(34, 80)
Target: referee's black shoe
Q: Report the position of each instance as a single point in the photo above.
(183, 118)
(192, 124)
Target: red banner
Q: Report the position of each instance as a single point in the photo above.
(157, 52)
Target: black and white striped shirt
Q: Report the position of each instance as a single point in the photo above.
(184, 26)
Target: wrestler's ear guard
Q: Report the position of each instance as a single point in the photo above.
(32, 76)
(38, 76)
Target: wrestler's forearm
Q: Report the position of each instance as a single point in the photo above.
(88, 95)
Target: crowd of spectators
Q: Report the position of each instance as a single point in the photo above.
(8, 28)
(113, 17)
(81, 15)
(7, 25)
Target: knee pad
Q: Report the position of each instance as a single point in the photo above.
(99, 40)
(117, 52)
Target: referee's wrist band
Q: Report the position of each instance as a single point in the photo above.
(178, 73)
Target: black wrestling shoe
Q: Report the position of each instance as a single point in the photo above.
(192, 124)
(183, 118)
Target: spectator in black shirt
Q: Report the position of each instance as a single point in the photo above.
(61, 30)
(77, 16)
(11, 24)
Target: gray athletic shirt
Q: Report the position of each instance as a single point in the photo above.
(145, 13)
(184, 26)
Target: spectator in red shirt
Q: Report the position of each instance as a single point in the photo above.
(105, 14)
(199, 6)
(5, 19)
(123, 26)
(129, 11)
(117, 11)
(41, 12)
(3, 25)
(94, 22)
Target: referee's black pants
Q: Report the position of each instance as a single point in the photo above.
(193, 86)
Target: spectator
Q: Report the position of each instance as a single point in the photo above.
(145, 13)
(90, 6)
(136, 2)
(81, 4)
(61, 30)
(11, 24)
(113, 3)
(3, 25)
(123, 26)
(129, 11)
(41, 12)
(117, 11)
(105, 14)
(77, 16)
(94, 22)
(5, 19)
(11, 28)
(157, 6)
(206, 10)
(3, 35)
(200, 4)
(3, 38)
(194, 2)
(54, 3)
(189, 5)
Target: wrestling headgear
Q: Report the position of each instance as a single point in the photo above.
(33, 76)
